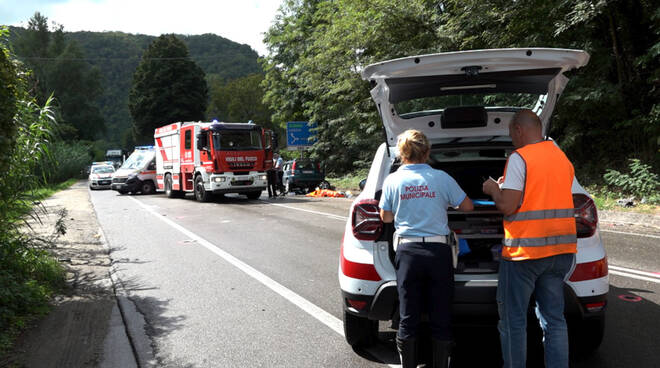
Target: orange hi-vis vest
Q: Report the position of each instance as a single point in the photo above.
(544, 225)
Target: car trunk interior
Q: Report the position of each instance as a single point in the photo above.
(480, 231)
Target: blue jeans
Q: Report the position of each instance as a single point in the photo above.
(517, 281)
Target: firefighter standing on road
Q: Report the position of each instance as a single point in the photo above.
(416, 198)
(539, 244)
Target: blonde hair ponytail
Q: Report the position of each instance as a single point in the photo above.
(413, 146)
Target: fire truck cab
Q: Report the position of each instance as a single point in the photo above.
(208, 158)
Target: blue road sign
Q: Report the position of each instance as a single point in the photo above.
(300, 134)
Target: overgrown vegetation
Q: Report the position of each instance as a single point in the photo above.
(28, 275)
(640, 182)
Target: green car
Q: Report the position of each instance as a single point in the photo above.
(302, 175)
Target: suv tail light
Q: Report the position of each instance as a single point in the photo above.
(589, 270)
(366, 221)
(293, 166)
(586, 216)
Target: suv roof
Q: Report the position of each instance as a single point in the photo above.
(516, 72)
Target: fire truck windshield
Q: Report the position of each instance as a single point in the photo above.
(239, 140)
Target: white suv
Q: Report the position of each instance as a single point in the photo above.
(463, 102)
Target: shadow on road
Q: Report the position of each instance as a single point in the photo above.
(632, 328)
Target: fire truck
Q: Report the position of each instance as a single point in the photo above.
(207, 158)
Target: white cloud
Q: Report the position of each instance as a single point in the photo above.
(242, 21)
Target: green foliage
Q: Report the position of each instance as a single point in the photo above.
(240, 100)
(609, 110)
(68, 160)
(59, 68)
(640, 182)
(7, 102)
(28, 275)
(167, 87)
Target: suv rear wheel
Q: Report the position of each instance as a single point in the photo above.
(585, 335)
(360, 332)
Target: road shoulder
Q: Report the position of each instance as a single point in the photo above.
(85, 327)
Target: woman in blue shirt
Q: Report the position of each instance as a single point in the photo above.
(416, 198)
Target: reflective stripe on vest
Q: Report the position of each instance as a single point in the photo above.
(544, 225)
(541, 214)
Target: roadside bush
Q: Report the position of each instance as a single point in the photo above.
(68, 161)
(28, 274)
(641, 182)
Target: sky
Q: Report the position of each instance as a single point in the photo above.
(242, 21)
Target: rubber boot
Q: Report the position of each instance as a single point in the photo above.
(407, 352)
(441, 351)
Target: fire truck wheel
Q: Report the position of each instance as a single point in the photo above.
(147, 187)
(200, 193)
(169, 192)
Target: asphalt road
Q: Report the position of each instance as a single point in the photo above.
(254, 284)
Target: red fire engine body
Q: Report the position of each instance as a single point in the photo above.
(206, 158)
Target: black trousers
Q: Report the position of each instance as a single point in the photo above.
(425, 281)
(271, 175)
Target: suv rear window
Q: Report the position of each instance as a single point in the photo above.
(433, 105)
(305, 165)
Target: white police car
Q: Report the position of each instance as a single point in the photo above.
(463, 102)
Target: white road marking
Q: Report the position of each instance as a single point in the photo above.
(330, 215)
(310, 308)
(635, 234)
(633, 276)
(631, 270)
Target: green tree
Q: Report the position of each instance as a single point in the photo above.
(7, 102)
(240, 100)
(167, 87)
(59, 68)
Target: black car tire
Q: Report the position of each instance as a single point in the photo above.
(585, 335)
(147, 187)
(360, 332)
(122, 191)
(169, 192)
(201, 194)
(253, 195)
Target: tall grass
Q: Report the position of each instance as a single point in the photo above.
(28, 274)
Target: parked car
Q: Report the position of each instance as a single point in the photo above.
(100, 176)
(302, 175)
(464, 102)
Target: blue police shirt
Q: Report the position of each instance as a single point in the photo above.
(419, 196)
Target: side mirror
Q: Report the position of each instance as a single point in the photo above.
(363, 182)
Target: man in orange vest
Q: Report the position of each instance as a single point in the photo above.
(540, 241)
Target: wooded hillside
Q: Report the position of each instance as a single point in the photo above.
(117, 54)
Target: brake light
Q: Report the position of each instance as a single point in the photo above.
(366, 222)
(586, 215)
(590, 270)
(293, 166)
(318, 167)
(357, 304)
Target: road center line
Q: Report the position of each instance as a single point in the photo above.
(330, 215)
(627, 233)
